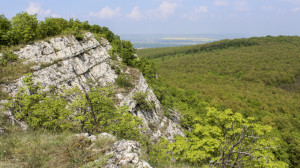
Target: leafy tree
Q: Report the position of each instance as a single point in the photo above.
(96, 29)
(225, 139)
(95, 112)
(109, 35)
(86, 25)
(24, 27)
(5, 26)
(52, 26)
(147, 67)
(127, 52)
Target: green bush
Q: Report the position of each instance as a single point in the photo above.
(24, 28)
(51, 26)
(5, 26)
(142, 103)
(38, 109)
(8, 56)
(78, 35)
(123, 80)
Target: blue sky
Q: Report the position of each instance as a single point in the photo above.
(244, 17)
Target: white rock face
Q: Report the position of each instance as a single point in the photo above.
(66, 62)
(160, 125)
(126, 153)
(71, 63)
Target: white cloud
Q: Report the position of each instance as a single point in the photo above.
(297, 9)
(135, 14)
(196, 13)
(35, 8)
(220, 3)
(165, 10)
(241, 6)
(106, 13)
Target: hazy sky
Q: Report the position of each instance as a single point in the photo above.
(250, 17)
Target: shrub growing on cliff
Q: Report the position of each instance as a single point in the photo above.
(96, 113)
(8, 56)
(38, 109)
(123, 80)
(92, 111)
(141, 102)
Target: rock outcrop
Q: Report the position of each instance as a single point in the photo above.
(123, 153)
(65, 62)
(126, 153)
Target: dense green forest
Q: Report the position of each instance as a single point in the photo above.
(239, 102)
(258, 77)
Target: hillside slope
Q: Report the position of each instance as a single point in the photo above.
(67, 63)
(75, 85)
(258, 77)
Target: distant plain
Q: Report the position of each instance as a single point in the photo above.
(173, 40)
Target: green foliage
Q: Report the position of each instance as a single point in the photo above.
(89, 112)
(219, 45)
(117, 70)
(225, 139)
(24, 28)
(78, 35)
(125, 50)
(5, 26)
(261, 81)
(96, 113)
(51, 27)
(123, 80)
(8, 56)
(159, 154)
(109, 35)
(141, 101)
(147, 67)
(38, 109)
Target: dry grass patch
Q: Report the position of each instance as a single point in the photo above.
(48, 149)
(14, 71)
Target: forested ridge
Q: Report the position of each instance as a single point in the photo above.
(238, 101)
(257, 77)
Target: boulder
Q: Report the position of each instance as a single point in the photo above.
(126, 153)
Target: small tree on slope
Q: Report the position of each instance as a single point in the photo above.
(224, 139)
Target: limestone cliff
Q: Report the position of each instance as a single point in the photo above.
(65, 62)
